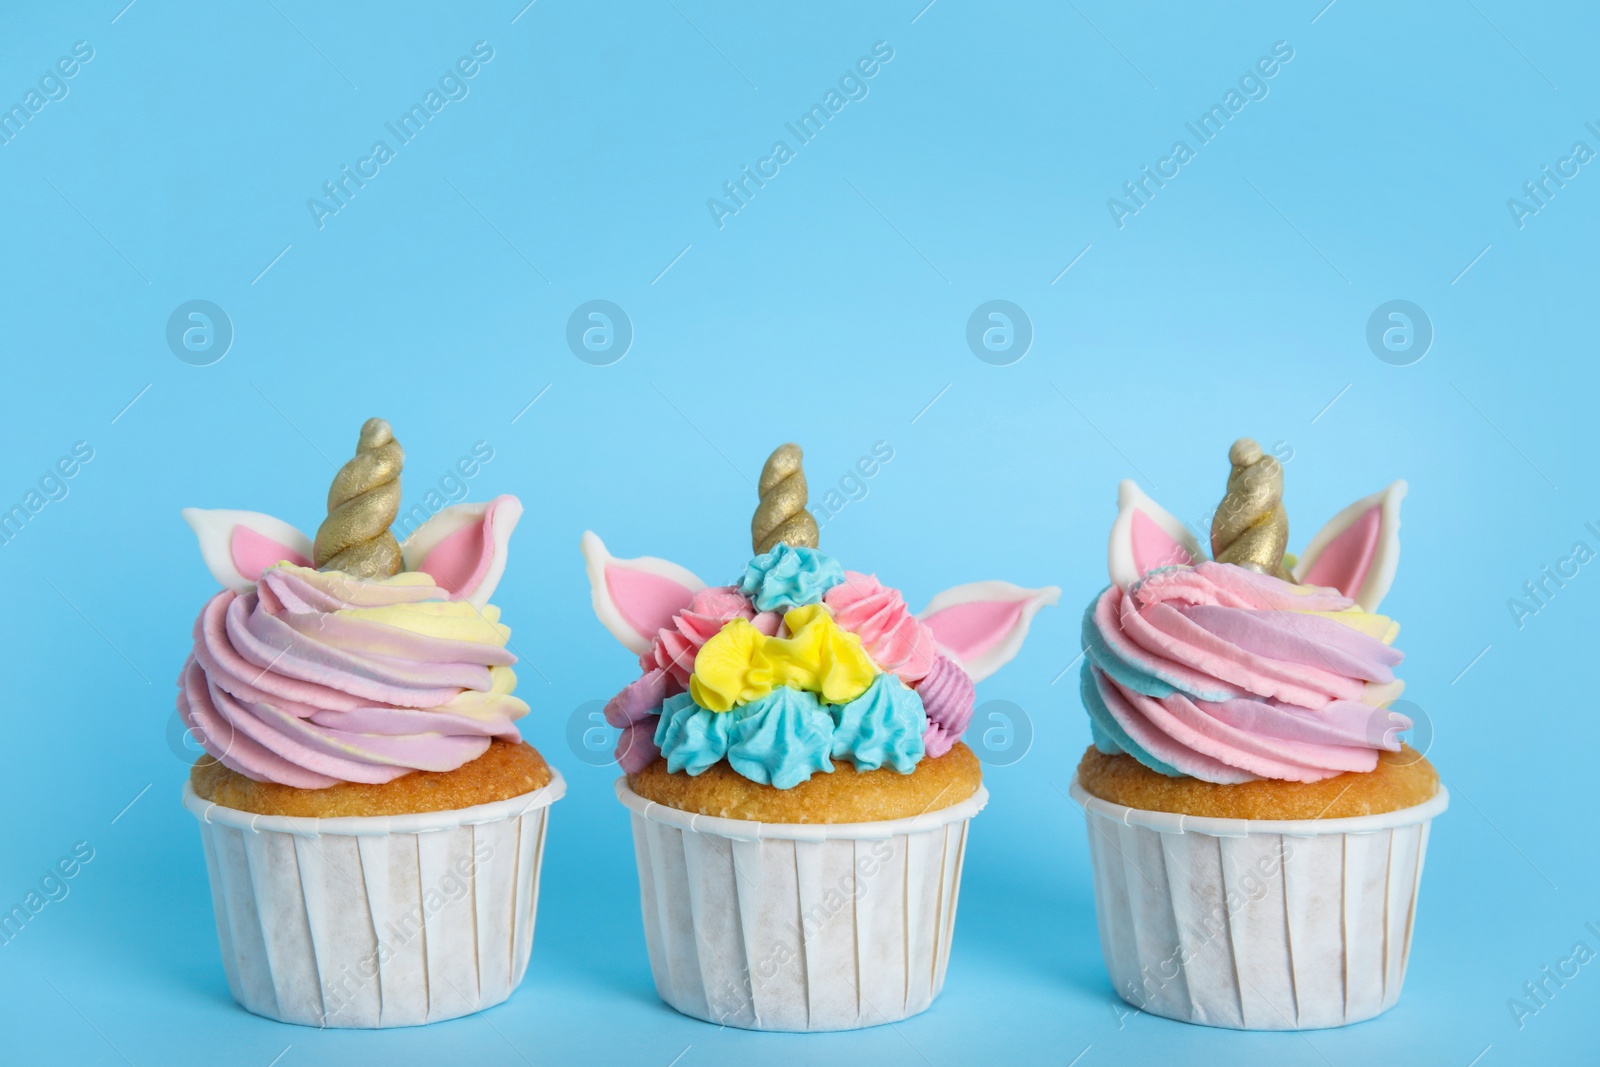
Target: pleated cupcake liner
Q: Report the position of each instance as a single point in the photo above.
(798, 926)
(1257, 924)
(380, 921)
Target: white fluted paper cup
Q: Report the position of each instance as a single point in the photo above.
(1257, 924)
(798, 926)
(378, 921)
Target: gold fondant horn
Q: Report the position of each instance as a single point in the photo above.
(362, 502)
(1250, 527)
(782, 516)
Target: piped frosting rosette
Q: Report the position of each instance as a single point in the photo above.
(796, 665)
(799, 662)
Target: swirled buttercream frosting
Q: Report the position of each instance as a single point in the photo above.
(1220, 673)
(318, 677)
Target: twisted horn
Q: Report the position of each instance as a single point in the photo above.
(782, 516)
(1250, 527)
(362, 502)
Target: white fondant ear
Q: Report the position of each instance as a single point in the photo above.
(238, 545)
(1146, 536)
(634, 598)
(982, 625)
(1359, 549)
(463, 548)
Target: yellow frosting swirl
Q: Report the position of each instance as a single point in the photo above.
(450, 620)
(740, 664)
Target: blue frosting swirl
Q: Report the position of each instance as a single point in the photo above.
(788, 735)
(788, 577)
(884, 725)
(1108, 735)
(781, 739)
(692, 738)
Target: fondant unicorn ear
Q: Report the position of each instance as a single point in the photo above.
(635, 597)
(238, 545)
(1145, 537)
(1357, 552)
(463, 548)
(981, 625)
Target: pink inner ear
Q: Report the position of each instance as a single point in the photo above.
(459, 562)
(647, 602)
(1346, 559)
(253, 553)
(1153, 547)
(971, 629)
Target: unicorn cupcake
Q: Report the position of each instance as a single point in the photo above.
(1257, 827)
(793, 764)
(373, 821)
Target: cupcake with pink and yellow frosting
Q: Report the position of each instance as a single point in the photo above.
(358, 693)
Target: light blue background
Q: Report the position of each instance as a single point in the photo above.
(831, 310)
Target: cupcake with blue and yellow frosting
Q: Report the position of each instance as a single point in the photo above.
(801, 702)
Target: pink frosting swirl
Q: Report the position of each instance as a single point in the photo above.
(947, 695)
(895, 639)
(677, 644)
(633, 711)
(1227, 675)
(283, 688)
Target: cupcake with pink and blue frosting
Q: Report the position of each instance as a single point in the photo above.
(799, 701)
(1256, 821)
